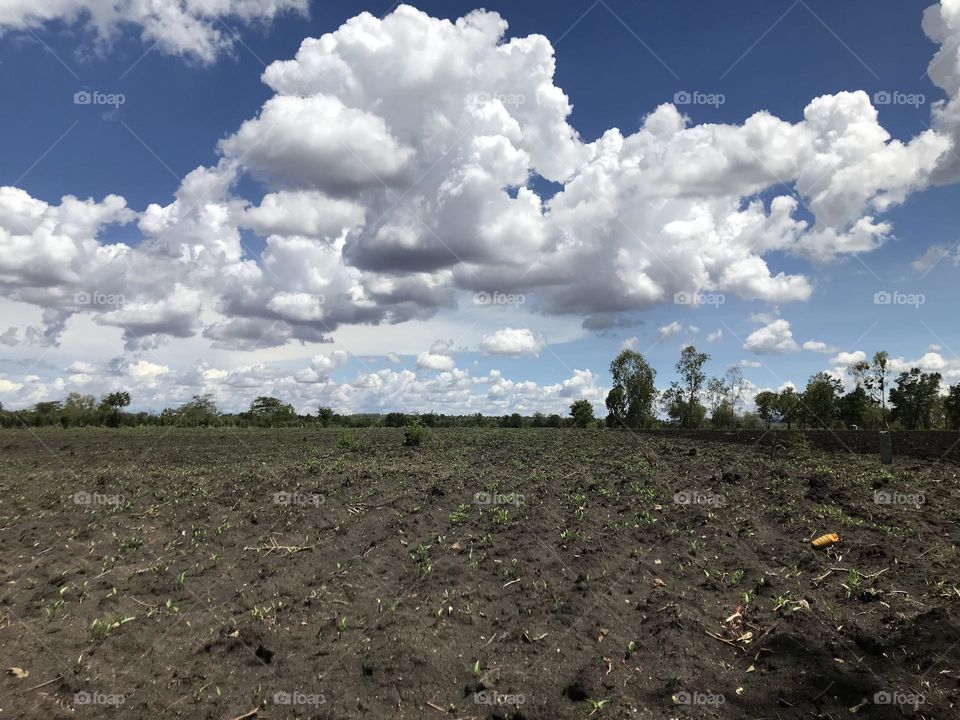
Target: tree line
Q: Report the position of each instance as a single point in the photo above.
(201, 411)
(913, 400)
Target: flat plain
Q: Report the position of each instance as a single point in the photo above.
(488, 574)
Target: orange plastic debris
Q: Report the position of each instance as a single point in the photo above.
(825, 540)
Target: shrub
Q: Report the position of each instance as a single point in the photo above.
(414, 434)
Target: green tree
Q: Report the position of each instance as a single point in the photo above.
(724, 397)
(768, 406)
(914, 399)
(325, 415)
(632, 399)
(873, 376)
(788, 406)
(692, 377)
(855, 407)
(582, 413)
(819, 404)
(110, 405)
(951, 408)
(200, 411)
(271, 411)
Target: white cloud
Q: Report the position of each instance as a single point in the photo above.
(362, 113)
(668, 331)
(715, 336)
(435, 361)
(6, 386)
(751, 364)
(773, 339)
(848, 358)
(145, 370)
(932, 257)
(512, 342)
(175, 27)
(819, 347)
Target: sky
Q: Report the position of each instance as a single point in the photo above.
(445, 208)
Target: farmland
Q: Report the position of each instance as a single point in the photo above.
(487, 573)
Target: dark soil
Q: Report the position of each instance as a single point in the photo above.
(632, 577)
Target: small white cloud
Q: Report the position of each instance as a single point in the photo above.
(512, 342)
(931, 257)
(819, 347)
(435, 361)
(751, 363)
(848, 358)
(82, 368)
(773, 339)
(145, 370)
(715, 336)
(670, 330)
(392, 357)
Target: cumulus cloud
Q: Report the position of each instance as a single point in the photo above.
(819, 347)
(399, 156)
(931, 258)
(773, 339)
(848, 358)
(512, 342)
(439, 357)
(192, 28)
(669, 330)
(715, 336)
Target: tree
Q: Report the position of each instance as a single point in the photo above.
(854, 407)
(78, 409)
(324, 415)
(200, 411)
(819, 404)
(788, 404)
(582, 413)
(768, 406)
(690, 370)
(724, 397)
(632, 399)
(271, 411)
(873, 376)
(951, 408)
(914, 399)
(111, 403)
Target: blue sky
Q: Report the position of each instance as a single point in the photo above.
(616, 61)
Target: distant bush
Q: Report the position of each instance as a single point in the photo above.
(415, 434)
